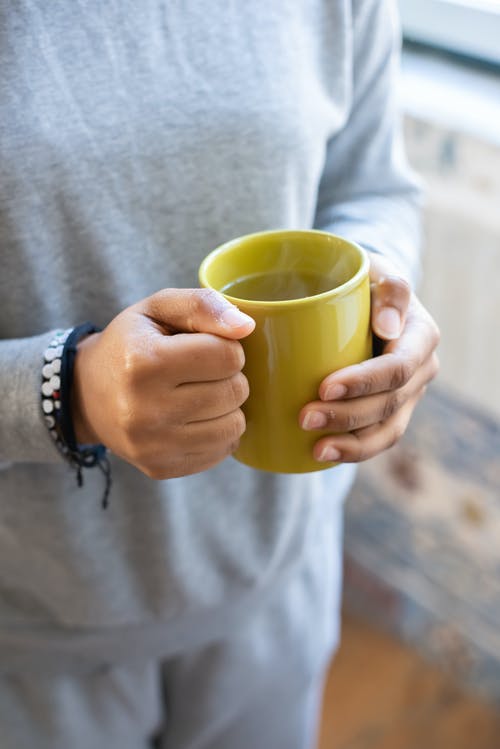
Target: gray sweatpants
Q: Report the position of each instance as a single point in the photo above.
(259, 688)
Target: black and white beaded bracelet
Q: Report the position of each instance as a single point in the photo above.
(51, 386)
(57, 382)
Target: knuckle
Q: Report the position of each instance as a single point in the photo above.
(234, 358)
(398, 284)
(233, 427)
(233, 447)
(240, 424)
(359, 450)
(239, 389)
(205, 299)
(352, 420)
(132, 367)
(196, 303)
(391, 405)
(229, 429)
(402, 285)
(365, 385)
(402, 373)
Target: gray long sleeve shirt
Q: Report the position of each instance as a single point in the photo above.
(134, 138)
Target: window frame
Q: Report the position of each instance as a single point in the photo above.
(447, 24)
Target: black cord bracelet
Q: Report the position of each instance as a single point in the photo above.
(56, 404)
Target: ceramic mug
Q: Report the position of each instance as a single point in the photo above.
(309, 294)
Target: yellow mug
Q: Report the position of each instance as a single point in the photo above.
(309, 294)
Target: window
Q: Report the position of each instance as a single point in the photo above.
(468, 27)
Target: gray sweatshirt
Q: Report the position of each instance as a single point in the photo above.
(134, 138)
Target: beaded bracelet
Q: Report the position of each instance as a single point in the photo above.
(57, 381)
(51, 385)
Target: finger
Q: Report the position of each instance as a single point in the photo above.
(208, 400)
(202, 443)
(214, 433)
(363, 444)
(394, 368)
(159, 466)
(357, 413)
(196, 311)
(390, 300)
(200, 357)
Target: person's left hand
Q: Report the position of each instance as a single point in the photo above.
(370, 404)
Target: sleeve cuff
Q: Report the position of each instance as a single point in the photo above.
(24, 436)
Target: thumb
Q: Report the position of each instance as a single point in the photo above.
(390, 299)
(197, 311)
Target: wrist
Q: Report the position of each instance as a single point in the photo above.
(84, 432)
(60, 404)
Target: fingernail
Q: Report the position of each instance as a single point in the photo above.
(314, 420)
(329, 453)
(388, 323)
(234, 318)
(335, 392)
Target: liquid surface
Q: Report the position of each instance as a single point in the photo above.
(279, 286)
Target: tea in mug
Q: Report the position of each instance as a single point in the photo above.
(279, 286)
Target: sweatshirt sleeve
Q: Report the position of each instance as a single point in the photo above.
(24, 437)
(368, 193)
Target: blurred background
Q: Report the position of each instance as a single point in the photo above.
(419, 665)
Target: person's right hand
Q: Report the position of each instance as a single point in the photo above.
(161, 386)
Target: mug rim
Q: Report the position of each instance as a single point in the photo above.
(337, 291)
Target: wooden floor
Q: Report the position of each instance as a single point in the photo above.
(380, 695)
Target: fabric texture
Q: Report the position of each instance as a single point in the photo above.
(134, 138)
(260, 685)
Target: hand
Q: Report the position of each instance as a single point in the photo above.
(371, 403)
(162, 385)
